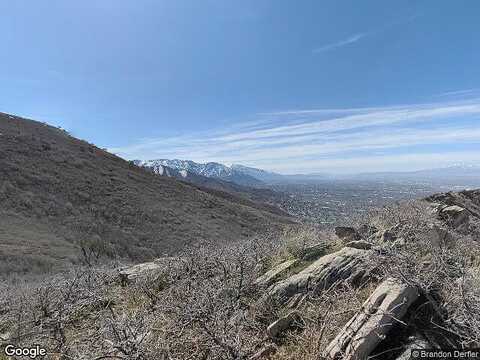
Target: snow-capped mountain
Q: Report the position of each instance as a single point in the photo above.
(163, 170)
(210, 169)
(264, 197)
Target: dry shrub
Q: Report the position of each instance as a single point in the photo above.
(203, 304)
(444, 268)
(323, 317)
(293, 242)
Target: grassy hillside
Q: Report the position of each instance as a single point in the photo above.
(58, 192)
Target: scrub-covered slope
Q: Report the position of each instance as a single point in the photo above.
(58, 192)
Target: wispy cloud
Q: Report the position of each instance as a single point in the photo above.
(361, 35)
(324, 139)
(350, 40)
(459, 93)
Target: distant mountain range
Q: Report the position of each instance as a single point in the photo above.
(237, 174)
(463, 174)
(264, 197)
(254, 177)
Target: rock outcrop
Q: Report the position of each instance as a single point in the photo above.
(273, 274)
(130, 274)
(282, 324)
(347, 264)
(469, 200)
(455, 215)
(382, 310)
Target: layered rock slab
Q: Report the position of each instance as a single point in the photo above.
(379, 314)
(347, 264)
(273, 274)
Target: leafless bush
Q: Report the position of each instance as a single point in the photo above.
(203, 304)
(443, 264)
(323, 317)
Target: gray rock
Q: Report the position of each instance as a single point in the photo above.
(366, 329)
(455, 215)
(131, 273)
(282, 324)
(5, 337)
(273, 274)
(346, 264)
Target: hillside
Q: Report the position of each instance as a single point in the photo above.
(58, 192)
(407, 278)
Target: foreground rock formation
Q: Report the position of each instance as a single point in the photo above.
(130, 274)
(270, 276)
(381, 312)
(348, 264)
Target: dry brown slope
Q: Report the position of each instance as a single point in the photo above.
(79, 192)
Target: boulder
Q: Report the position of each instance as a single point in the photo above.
(382, 310)
(359, 244)
(273, 274)
(282, 324)
(347, 264)
(5, 337)
(455, 215)
(131, 273)
(347, 234)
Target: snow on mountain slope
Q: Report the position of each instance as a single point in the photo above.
(210, 169)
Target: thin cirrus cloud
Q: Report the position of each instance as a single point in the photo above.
(338, 140)
(350, 40)
(359, 36)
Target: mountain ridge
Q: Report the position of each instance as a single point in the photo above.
(463, 173)
(263, 198)
(209, 169)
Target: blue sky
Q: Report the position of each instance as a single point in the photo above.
(290, 86)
